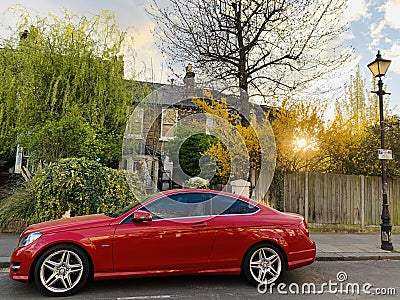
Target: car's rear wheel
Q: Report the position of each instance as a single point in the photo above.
(263, 263)
(62, 270)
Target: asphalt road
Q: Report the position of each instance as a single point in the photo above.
(367, 275)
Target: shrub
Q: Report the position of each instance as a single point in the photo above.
(196, 183)
(80, 186)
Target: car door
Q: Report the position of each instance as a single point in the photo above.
(178, 237)
(231, 219)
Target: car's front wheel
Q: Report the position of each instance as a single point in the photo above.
(62, 270)
(263, 263)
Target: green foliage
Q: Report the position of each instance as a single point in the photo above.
(81, 186)
(64, 71)
(191, 150)
(364, 160)
(275, 193)
(17, 208)
(70, 136)
(75, 184)
(354, 136)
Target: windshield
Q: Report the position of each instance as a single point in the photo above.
(123, 210)
(119, 212)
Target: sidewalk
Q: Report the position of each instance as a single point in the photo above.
(342, 246)
(330, 247)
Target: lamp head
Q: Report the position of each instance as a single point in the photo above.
(379, 66)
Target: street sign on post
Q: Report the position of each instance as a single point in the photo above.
(385, 154)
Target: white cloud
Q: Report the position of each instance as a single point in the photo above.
(148, 60)
(376, 32)
(388, 40)
(392, 13)
(356, 9)
(393, 54)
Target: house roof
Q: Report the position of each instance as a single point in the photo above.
(175, 95)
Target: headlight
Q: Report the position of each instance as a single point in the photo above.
(29, 239)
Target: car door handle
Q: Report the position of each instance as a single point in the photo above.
(200, 225)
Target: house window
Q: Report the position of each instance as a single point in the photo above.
(135, 123)
(210, 123)
(169, 118)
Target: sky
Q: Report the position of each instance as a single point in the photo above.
(374, 25)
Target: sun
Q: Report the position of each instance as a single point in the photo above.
(300, 144)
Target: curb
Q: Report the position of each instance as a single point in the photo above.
(357, 257)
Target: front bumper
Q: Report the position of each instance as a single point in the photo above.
(21, 262)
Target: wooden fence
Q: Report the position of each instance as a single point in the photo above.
(340, 199)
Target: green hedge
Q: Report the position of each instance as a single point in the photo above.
(79, 185)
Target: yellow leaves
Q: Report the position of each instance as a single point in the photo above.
(221, 155)
(299, 129)
(217, 108)
(240, 147)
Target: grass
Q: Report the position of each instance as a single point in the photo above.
(15, 210)
(346, 228)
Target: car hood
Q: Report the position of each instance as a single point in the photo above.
(70, 224)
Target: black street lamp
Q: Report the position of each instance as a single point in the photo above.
(378, 68)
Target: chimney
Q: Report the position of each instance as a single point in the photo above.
(189, 80)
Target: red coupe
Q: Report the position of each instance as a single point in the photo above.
(172, 233)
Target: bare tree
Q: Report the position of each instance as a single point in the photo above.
(266, 47)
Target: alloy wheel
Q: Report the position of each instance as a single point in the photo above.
(265, 265)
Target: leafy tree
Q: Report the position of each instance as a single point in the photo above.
(69, 137)
(356, 107)
(239, 148)
(191, 150)
(59, 72)
(354, 133)
(359, 104)
(299, 128)
(307, 141)
(264, 47)
(341, 145)
(363, 159)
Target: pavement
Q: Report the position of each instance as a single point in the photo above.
(361, 246)
(330, 247)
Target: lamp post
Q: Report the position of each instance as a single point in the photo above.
(378, 68)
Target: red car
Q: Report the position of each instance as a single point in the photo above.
(174, 233)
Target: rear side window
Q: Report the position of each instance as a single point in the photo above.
(225, 205)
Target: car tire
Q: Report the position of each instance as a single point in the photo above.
(263, 264)
(62, 270)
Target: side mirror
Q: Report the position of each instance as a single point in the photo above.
(142, 216)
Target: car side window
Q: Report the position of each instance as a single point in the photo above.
(179, 206)
(225, 205)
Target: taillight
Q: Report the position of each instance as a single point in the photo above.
(303, 227)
